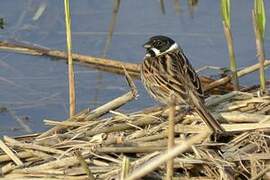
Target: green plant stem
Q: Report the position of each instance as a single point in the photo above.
(260, 52)
(70, 62)
(233, 66)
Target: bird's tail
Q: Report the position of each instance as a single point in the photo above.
(208, 119)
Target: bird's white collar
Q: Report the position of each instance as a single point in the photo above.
(158, 53)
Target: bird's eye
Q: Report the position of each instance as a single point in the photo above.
(158, 44)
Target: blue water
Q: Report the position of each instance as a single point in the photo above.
(35, 88)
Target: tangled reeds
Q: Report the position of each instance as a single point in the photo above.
(107, 144)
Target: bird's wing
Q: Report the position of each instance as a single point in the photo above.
(191, 77)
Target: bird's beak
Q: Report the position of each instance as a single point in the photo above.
(147, 45)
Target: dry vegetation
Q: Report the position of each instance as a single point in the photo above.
(106, 144)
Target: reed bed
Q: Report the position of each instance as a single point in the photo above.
(106, 144)
(154, 143)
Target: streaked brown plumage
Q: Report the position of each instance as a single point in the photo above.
(166, 71)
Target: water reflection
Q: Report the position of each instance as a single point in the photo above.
(116, 6)
(2, 23)
(99, 79)
(177, 6)
(162, 6)
(192, 4)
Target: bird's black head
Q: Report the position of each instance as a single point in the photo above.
(158, 45)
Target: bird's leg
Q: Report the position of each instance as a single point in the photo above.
(185, 110)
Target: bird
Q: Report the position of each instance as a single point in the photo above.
(167, 72)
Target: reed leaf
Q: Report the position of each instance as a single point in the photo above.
(226, 12)
(226, 20)
(259, 20)
(259, 10)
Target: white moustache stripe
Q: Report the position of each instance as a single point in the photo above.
(156, 51)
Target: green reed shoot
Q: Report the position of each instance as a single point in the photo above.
(259, 10)
(70, 62)
(226, 21)
(226, 12)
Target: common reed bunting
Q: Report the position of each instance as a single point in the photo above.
(166, 71)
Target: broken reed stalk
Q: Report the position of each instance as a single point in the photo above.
(72, 100)
(14, 143)
(114, 104)
(99, 63)
(260, 51)
(131, 149)
(240, 73)
(177, 150)
(125, 168)
(10, 153)
(237, 127)
(171, 144)
(57, 128)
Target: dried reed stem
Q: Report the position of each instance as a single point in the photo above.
(239, 127)
(116, 103)
(171, 144)
(240, 73)
(125, 168)
(65, 162)
(15, 143)
(99, 63)
(168, 155)
(12, 156)
(131, 149)
(57, 128)
(22, 155)
(139, 135)
(112, 105)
